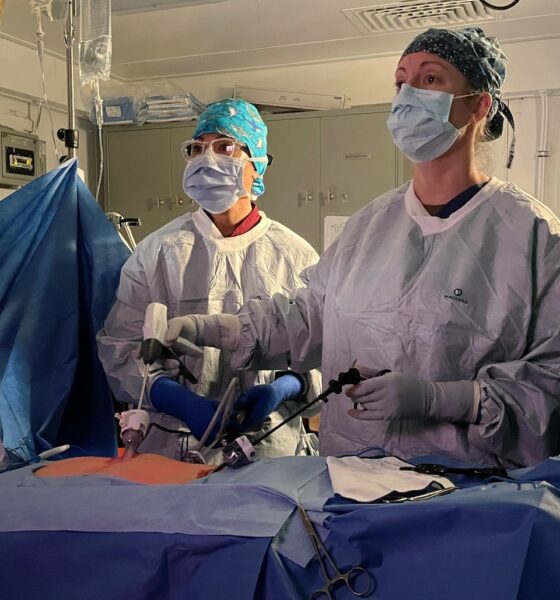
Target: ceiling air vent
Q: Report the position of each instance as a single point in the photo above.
(404, 16)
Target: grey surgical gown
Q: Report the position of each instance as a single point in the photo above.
(475, 296)
(192, 269)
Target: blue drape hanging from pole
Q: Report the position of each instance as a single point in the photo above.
(60, 261)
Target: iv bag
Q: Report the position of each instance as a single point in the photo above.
(40, 6)
(95, 40)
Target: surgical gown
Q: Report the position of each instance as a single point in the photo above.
(475, 296)
(191, 268)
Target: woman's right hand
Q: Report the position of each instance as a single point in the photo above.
(217, 331)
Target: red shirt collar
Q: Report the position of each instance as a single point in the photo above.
(248, 222)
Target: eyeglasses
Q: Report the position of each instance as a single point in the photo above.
(192, 149)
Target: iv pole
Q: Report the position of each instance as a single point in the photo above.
(70, 136)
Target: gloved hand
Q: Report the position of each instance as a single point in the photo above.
(196, 411)
(218, 331)
(395, 396)
(165, 367)
(263, 399)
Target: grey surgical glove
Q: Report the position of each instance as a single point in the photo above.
(218, 331)
(166, 367)
(394, 397)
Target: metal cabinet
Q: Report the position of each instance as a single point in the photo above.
(358, 161)
(180, 202)
(144, 174)
(325, 164)
(293, 181)
(328, 164)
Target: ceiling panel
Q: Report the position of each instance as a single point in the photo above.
(247, 34)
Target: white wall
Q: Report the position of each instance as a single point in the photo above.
(552, 173)
(533, 66)
(20, 92)
(524, 171)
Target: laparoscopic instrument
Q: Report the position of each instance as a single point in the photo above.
(134, 423)
(357, 405)
(241, 451)
(442, 470)
(237, 451)
(22, 455)
(359, 582)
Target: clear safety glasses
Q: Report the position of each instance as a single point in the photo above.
(192, 149)
(221, 146)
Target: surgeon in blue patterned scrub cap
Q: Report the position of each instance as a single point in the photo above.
(210, 261)
(444, 291)
(241, 121)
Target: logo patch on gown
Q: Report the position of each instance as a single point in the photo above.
(457, 296)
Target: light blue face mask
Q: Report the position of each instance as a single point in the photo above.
(419, 123)
(215, 182)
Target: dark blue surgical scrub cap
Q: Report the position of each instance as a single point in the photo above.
(480, 60)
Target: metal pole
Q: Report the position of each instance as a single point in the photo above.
(69, 41)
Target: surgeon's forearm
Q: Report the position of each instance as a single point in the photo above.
(518, 422)
(118, 345)
(454, 401)
(122, 369)
(280, 333)
(314, 388)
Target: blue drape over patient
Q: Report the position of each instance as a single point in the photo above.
(60, 261)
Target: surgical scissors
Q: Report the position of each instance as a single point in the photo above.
(351, 579)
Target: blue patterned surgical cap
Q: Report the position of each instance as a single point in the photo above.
(479, 58)
(241, 121)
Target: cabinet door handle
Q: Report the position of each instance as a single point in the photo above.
(344, 198)
(160, 202)
(308, 197)
(179, 201)
(330, 196)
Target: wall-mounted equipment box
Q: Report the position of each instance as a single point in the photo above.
(23, 157)
(290, 99)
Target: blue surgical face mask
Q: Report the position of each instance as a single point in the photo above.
(215, 182)
(419, 123)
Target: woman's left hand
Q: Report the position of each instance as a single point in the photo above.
(394, 396)
(390, 396)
